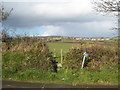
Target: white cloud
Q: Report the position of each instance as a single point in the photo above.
(33, 0)
(75, 8)
(52, 30)
(42, 1)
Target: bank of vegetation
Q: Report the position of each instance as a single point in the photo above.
(31, 59)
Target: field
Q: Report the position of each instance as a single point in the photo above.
(65, 45)
(30, 62)
(56, 47)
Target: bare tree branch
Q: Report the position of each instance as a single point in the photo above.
(3, 14)
(106, 6)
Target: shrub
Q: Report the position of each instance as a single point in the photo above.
(74, 58)
(37, 56)
(98, 55)
(12, 61)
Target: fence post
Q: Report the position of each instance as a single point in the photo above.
(61, 56)
(54, 53)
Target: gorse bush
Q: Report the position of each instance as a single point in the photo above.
(98, 55)
(37, 56)
(74, 58)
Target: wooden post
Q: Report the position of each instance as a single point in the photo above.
(61, 56)
(83, 62)
(54, 53)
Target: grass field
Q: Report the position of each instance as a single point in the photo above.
(56, 47)
(59, 45)
(66, 46)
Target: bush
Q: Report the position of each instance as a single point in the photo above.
(39, 57)
(98, 55)
(12, 62)
(36, 57)
(74, 58)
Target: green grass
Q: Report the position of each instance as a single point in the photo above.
(66, 46)
(59, 45)
(74, 77)
(108, 74)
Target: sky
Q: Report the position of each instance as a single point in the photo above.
(75, 18)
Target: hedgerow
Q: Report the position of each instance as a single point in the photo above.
(37, 56)
(98, 55)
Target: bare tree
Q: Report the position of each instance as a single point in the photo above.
(4, 30)
(3, 14)
(107, 6)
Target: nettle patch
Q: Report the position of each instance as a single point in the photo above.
(98, 56)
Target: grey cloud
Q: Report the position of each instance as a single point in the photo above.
(23, 16)
(91, 29)
(90, 24)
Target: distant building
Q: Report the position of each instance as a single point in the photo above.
(78, 39)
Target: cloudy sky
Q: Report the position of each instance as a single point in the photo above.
(58, 17)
